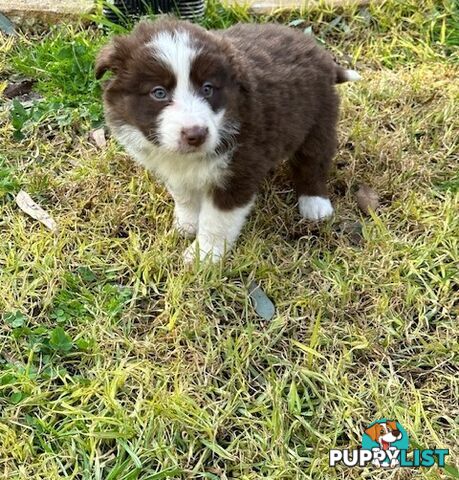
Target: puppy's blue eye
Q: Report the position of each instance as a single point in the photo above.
(159, 93)
(207, 90)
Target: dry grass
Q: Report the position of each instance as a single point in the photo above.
(117, 362)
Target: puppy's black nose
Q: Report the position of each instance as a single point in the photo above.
(194, 136)
(396, 433)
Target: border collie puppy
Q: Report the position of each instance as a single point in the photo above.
(212, 112)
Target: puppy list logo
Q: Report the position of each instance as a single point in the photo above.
(385, 444)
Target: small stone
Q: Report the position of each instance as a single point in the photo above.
(367, 199)
(98, 137)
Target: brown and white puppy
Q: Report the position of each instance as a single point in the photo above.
(211, 113)
(384, 433)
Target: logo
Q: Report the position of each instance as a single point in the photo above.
(385, 444)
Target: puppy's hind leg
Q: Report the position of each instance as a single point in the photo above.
(310, 167)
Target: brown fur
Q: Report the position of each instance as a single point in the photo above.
(375, 431)
(275, 81)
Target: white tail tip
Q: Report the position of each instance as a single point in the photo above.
(352, 76)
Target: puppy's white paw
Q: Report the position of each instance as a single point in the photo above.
(315, 208)
(186, 224)
(205, 251)
(186, 229)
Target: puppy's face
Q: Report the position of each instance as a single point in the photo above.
(174, 82)
(387, 432)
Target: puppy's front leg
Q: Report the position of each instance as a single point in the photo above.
(218, 230)
(186, 210)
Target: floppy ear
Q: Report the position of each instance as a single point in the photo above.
(105, 60)
(114, 55)
(240, 71)
(373, 432)
(121, 48)
(392, 424)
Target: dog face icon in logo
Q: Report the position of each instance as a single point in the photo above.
(386, 436)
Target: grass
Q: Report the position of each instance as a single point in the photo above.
(117, 362)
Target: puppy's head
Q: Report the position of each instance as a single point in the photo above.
(393, 433)
(387, 432)
(175, 82)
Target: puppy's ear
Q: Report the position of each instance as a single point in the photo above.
(105, 61)
(239, 68)
(392, 424)
(241, 74)
(373, 432)
(114, 55)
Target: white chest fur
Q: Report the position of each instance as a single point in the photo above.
(193, 172)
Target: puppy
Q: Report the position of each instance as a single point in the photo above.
(385, 434)
(212, 112)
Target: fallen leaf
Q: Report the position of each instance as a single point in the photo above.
(6, 25)
(261, 303)
(27, 205)
(15, 89)
(367, 199)
(98, 137)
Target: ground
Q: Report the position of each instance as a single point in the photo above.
(119, 362)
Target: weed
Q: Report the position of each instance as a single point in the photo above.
(117, 362)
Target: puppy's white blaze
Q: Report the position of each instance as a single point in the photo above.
(352, 76)
(188, 109)
(315, 208)
(217, 231)
(174, 49)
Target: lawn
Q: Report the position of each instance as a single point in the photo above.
(117, 361)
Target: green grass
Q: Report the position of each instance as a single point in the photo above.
(118, 362)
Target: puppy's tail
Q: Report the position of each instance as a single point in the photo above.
(343, 75)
